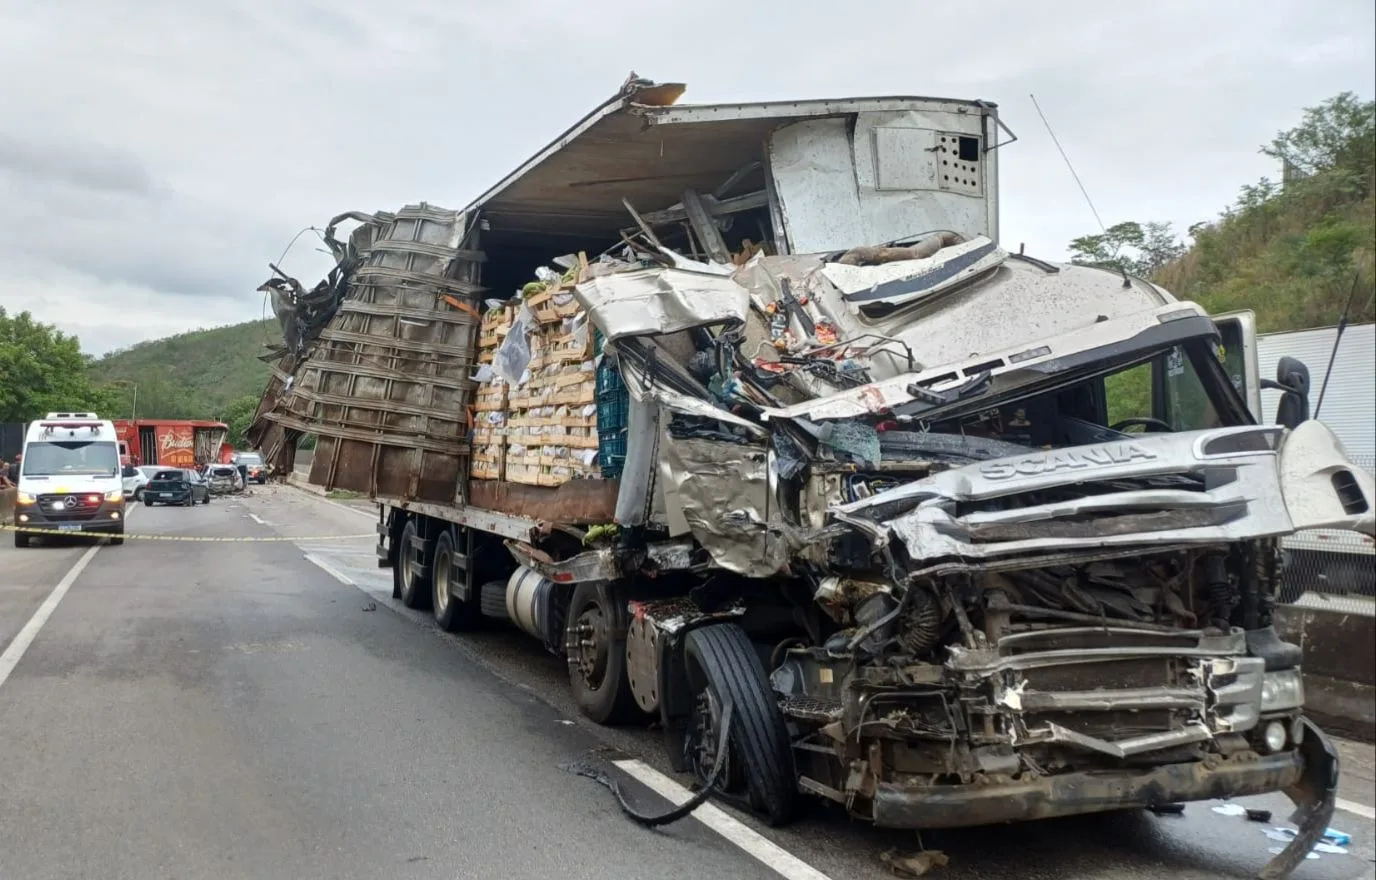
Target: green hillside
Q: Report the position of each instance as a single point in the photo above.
(201, 374)
(1294, 251)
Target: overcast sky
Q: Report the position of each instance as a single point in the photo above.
(154, 156)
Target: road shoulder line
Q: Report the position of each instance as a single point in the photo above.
(1342, 803)
(14, 651)
(331, 570)
(758, 847)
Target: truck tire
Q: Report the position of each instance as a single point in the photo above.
(415, 589)
(117, 538)
(451, 613)
(721, 662)
(597, 671)
(21, 539)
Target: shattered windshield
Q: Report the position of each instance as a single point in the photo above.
(1176, 389)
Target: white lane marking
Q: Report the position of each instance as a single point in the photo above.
(15, 651)
(1343, 804)
(258, 519)
(331, 570)
(769, 854)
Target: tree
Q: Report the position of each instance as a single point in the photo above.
(42, 370)
(239, 415)
(1132, 247)
(1340, 133)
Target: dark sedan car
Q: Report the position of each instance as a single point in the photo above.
(176, 486)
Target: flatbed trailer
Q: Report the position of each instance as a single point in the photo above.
(859, 475)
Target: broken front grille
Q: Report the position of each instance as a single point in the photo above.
(1116, 700)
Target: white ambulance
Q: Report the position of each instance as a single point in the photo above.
(69, 479)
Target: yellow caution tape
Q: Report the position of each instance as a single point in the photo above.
(30, 530)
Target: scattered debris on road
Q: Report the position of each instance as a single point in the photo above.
(915, 864)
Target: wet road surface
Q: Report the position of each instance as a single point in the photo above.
(264, 709)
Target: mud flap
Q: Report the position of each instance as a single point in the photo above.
(1315, 796)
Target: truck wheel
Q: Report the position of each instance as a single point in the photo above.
(21, 539)
(721, 664)
(117, 538)
(597, 655)
(148, 502)
(451, 612)
(414, 588)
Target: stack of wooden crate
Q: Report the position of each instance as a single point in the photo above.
(553, 416)
(490, 403)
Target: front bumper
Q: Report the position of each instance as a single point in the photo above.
(1071, 794)
(107, 518)
(1308, 774)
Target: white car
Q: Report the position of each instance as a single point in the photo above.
(135, 478)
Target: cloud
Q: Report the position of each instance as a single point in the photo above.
(155, 156)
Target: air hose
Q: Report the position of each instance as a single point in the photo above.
(682, 810)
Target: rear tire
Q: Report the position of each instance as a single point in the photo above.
(597, 672)
(722, 661)
(415, 589)
(451, 613)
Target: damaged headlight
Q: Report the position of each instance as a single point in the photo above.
(1282, 690)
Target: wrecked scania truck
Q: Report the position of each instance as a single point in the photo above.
(746, 406)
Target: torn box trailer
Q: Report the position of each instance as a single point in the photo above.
(960, 535)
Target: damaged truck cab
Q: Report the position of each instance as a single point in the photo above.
(960, 536)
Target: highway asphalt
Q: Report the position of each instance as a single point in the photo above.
(262, 708)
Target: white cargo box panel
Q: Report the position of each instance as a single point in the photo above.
(834, 173)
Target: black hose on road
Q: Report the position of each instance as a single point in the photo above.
(684, 809)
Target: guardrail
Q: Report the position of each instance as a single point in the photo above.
(1331, 570)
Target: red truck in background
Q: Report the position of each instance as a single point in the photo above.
(181, 443)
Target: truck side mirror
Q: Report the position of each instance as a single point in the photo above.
(1292, 380)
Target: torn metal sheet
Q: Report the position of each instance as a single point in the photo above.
(682, 403)
(1009, 368)
(654, 302)
(723, 489)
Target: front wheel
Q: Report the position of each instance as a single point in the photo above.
(722, 664)
(21, 539)
(117, 538)
(148, 502)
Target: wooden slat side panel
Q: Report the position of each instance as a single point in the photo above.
(577, 502)
(386, 387)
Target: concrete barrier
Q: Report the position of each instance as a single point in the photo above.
(7, 497)
(1339, 666)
